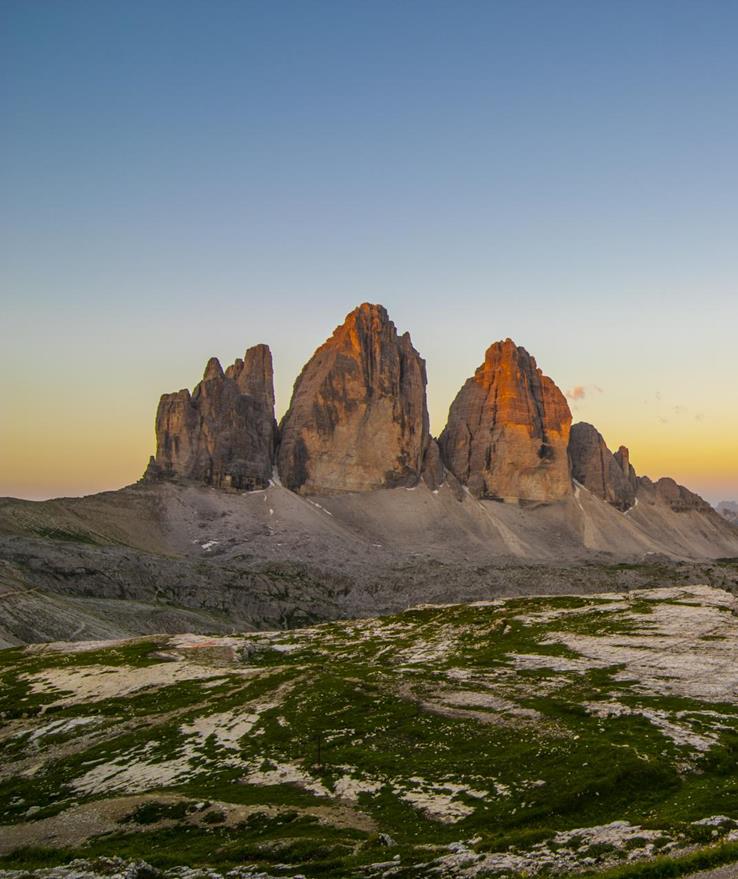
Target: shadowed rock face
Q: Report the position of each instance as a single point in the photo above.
(508, 430)
(613, 478)
(610, 477)
(358, 418)
(224, 434)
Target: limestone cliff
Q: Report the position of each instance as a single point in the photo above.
(358, 418)
(667, 491)
(508, 430)
(607, 475)
(224, 433)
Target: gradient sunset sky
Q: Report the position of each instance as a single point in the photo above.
(183, 179)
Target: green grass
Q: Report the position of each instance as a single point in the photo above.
(664, 867)
(352, 700)
(66, 535)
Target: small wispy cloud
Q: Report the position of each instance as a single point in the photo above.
(579, 392)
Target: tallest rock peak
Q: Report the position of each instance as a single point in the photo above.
(508, 430)
(358, 418)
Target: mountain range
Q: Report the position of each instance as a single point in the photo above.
(349, 506)
(358, 421)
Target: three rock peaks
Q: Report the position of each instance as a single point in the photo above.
(358, 421)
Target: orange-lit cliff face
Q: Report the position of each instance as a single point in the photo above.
(358, 419)
(508, 430)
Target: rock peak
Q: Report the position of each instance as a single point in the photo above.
(224, 434)
(358, 418)
(373, 308)
(508, 430)
(610, 477)
(213, 369)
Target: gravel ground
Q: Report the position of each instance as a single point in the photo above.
(729, 871)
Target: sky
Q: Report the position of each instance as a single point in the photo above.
(186, 179)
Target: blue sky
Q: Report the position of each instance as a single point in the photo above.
(185, 179)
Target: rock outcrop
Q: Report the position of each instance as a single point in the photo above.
(612, 477)
(508, 430)
(607, 475)
(358, 418)
(224, 433)
(677, 497)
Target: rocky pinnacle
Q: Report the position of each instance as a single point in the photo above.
(607, 475)
(224, 433)
(508, 430)
(358, 418)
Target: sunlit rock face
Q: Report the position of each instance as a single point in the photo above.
(508, 430)
(358, 419)
(224, 433)
(607, 475)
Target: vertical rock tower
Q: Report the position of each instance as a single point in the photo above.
(508, 430)
(224, 433)
(358, 419)
(607, 475)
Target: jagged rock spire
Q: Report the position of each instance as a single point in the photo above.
(224, 433)
(358, 419)
(508, 430)
(607, 475)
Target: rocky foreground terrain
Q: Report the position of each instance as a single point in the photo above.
(511, 737)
